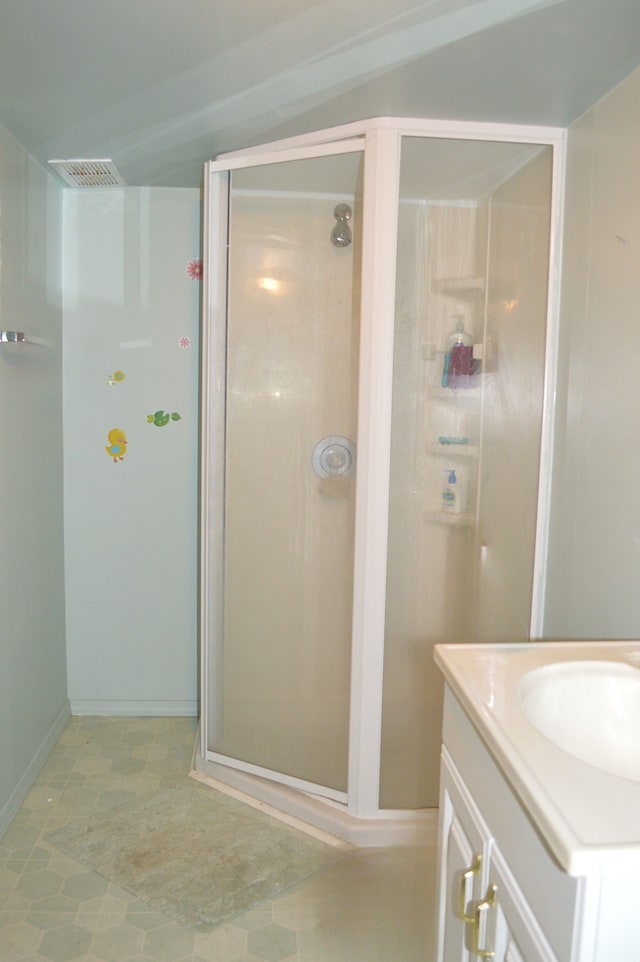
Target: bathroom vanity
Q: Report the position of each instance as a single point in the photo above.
(539, 846)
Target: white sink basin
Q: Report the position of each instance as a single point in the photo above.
(590, 709)
(562, 719)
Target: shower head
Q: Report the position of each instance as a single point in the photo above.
(341, 233)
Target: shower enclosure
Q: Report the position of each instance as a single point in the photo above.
(378, 331)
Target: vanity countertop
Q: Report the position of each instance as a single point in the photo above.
(589, 819)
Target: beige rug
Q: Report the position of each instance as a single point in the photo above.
(196, 855)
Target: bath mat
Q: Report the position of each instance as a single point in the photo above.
(194, 854)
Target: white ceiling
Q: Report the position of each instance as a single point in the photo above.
(160, 86)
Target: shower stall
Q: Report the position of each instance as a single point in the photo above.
(379, 308)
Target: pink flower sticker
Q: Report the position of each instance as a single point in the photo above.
(185, 342)
(194, 269)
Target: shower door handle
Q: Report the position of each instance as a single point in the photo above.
(334, 456)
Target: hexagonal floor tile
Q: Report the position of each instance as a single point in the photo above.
(138, 738)
(115, 796)
(52, 912)
(85, 885)
(272, 942)
(18, 941)
(227, 943)
(168, 943)
(116, 943)
(20, 836)
(127, 766)
(39, 885)
(254, 919)
(8, 881)
(77, 798)
(66, 943)
(145, 921)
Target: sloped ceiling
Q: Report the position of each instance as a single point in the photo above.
(160, 86)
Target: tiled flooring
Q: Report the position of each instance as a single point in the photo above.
(374, 905)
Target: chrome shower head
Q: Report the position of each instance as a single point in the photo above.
(341, 233)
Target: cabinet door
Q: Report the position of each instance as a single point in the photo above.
(517, 933)
(465, 847)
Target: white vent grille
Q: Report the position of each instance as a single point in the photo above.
(88, 173)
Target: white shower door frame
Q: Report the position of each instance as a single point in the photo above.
(381, 140)
(215, 305)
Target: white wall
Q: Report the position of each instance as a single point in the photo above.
(594, 560)
(33, 705)
(131, 524)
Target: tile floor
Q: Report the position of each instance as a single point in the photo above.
(375, 905)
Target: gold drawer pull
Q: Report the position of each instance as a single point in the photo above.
(488, 902)
(474, 869)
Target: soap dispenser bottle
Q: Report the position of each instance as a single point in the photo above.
(459, 365)
(454, 491)
(450, 491)
(459, 337)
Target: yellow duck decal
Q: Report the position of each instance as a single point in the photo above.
(117, 447)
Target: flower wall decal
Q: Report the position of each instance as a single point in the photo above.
(194, 269)
(184, 342)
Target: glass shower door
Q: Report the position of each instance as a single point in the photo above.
(283, 488)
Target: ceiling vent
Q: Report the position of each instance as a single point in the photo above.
(88, 173)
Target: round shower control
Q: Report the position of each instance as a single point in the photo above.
(334, 456)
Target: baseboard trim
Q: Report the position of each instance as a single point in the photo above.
(22, 789)
(315, 815)
(132, 708)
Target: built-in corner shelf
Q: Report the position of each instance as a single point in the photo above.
(19, 337)
(464, 288)
(449, 519)
(438, 393)
(12, 337)
(453, 451)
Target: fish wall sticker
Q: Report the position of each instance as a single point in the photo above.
(160, 418)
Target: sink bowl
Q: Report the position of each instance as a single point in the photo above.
(590, 709)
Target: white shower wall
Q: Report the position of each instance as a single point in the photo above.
(131, 329)
(429, 563)
(516, 339)
(464, 577)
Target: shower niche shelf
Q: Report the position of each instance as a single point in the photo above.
(449, 520)
(453, 394)
(432, 353)
(452, 451)
(464, 288)
(19, 337)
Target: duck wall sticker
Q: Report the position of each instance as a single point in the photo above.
(117, 447)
